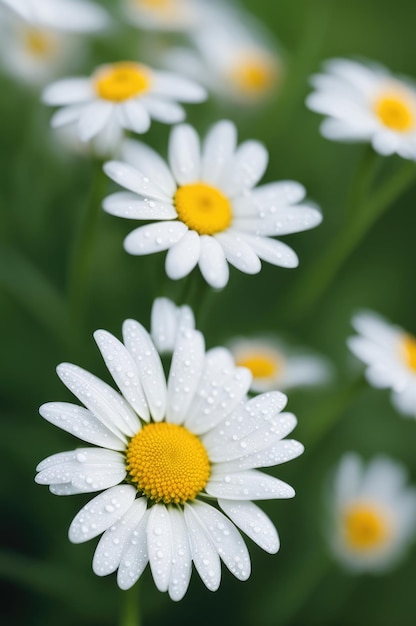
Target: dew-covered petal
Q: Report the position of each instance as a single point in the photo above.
(204, 553)
(177, 87)
(93, 118)
(134, 116)
(212, 262)
(247, 485)
(166, 321)
(181, 570)
(101, 512)
(218, 148)
(135, 180)
(134, 557)
(272, 196)
(154, 237)
(109, 550)
(183, 255)
(65, 489)
(271, 250)
(253, 522)
(290, 220)
(246, 168)
(138, 342)
(164, 110)
(185, 154)
(150, 163)
(159, 545)
(126, 204)
(238, 252)
(82, 423)
(267, 451)
(226, 538)
(68, 91)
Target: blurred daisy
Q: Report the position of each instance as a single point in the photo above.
(168, 15)
(274, 366)
(374, 514)
(206, 208)
(169, 458)
(364, 102)
(120, 95)
(65, 15)
(167, 321)
(390, 355)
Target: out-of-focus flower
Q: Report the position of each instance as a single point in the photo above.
(365, 102)
(120, 95)
(166, 15)
(167, 321)
(207, 209)
(390, 355)
(66, 15)
(374, 514)
(275, 366)
(160, 450)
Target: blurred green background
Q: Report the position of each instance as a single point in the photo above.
(43, 194)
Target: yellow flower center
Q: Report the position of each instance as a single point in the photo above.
(365, 527)
(168, 463)
(121, 81)
(254, 75)
(261, 365)
(39, 43)
(157, 6)
(409, 351)
(203, 208)
(395, 111)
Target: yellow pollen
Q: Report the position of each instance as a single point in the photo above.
(261, 365)
(395, 111)
(168, 463)
(39, 43)
(365, 527)
(121, 81)
(203, 208)
(409, 351)
(254, 75)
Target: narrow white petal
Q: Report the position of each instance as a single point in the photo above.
(140, 346)
(183, 255)
(212, 263)
(101, 512)
(135, 180)
(238, 252)
(253, 522)
(219, 147)
(271, 250)
(125, 373)
(181, 556)
(93, 118)
(272, 196)
(159, 545)
(134, 557)
(204, 553)
(108, 553)
(72, 15)
(134, 116)
(185, 373)
(164, 110)
(150, 163)
(82, 423)
(65, 489)
(128, 205)
(68, 91)
(167, 320)
(291, 220)
(66, 115)
(185, 154)
(375, 327)
(154, 237)
(266, 452)
(246, 169)
(177, 87)
(248, 485)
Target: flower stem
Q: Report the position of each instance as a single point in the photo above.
(130, 613)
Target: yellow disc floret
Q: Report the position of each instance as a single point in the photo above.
(39, 43)
(121, 81)
(366, 528)
(409, 351)
(167, 463)
(261, 365)
(203, 208)
(253, 74)
(395, 111)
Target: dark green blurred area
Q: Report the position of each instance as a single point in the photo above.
(43, 193)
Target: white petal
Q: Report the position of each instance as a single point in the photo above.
(93, 119)
(247, 485)
(177, 87)
(164, 110)
(150, 163)
(181, 556)
(246, 169)
(375, 327)
(204, 553)
(140, 346)
(101, 512)
(226, 538)
(134, 557)
(123, 369)
(219, 147)
(134, 116)
(238, 252)
(72, 15)
(185, 373)
(273, 195)
(66, 115)
(159, 545)
(133, 179)
(128, 205)
(266, 453)
(109, 550)
(68, 91)
(154, 237)
(291, 220)
(183, 256)
(212, 263)
(405, 401)
(253, 522)
(184, 154)
(167, 320)
(65, 489)
(81, 423)
(271, 250)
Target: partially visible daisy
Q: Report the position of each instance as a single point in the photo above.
(123, 95)
(165, 15)
(365, 102)
(205, 207)
(275, 366)
(390, 355)
(177, 461)
(374, 514)
(66, 15)
(167, 321)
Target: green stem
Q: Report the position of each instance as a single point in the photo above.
(130, 612)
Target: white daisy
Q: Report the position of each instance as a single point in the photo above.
(274, 366)
(206, 208)
(165, 15)
(169, 456)
(374, 513)
(167, 321)
(365, 102)
(120, 95)
(66, 15)
(390, 355)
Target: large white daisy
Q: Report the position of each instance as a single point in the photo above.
(206, 206)
(66, 15)
(390, 355)
(365, 102)
(169, 458)
(123, 95)
(374, 513)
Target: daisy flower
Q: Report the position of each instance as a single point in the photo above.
(204, 207)
(67, 15)
(374, 513)
(177, 461)
(167, 321)
(165, 15)
(274, 366)
(365, 102)
(390, 355)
